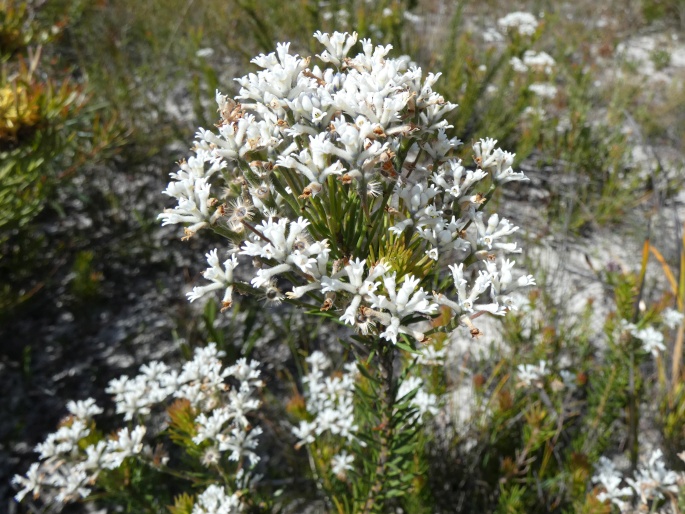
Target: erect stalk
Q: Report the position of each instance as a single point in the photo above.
(633, 412)
(385, 428)
(633, 400)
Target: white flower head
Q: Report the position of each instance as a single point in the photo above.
(523, 23)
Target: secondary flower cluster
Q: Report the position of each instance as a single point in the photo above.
(72, 457)
(338, 182)
(67, 470)
(423, 401)
(524, 23)
(652, 482)
(652, 339)
(329, 400)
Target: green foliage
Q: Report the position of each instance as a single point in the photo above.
(86, 282)
(661, 58)
(49, 131)
(669, 11)
(536, 445)
(183, 504)
(673, 413)
(33, 135)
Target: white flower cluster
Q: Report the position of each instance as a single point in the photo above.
(610, 479)
(302, 142)
(68, 468)
(423, 401)
(330, 400)
(651, 338)
(341, 464)
(672, 318)
(431, 356)
(524, 23)
(540, 62)
(201, 381)
(66, 471)
(543, 90)
(214, 500)
(652, 482)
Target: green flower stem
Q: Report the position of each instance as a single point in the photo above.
(387, 399)
(633, 411)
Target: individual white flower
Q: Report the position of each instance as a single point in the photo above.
(31, 483)
(484, 152)
(357, 285)
(202, 380)
(126, 444)
(457, 180)
(652, 340)
(503, 284)
(209, 427)
(84, 409)
(672, 318)
(305, 432)
(241, 443)
(495, 229)
(337, 46)
(342, 463)
(73, 485)
(94, 455)
(531, 375)
(405, 301)
(285, 242)
(247, 373)
(466, 302)
(220, 278)
(192, 193)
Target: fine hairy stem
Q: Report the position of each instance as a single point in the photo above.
(387, 401)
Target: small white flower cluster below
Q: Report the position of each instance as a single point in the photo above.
(330, 400)
(68, 468)
(540, 62)
(652, 482)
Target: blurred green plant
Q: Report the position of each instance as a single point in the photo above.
(49, 130)
(661, 58)
(669, 11)
(85, 285)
